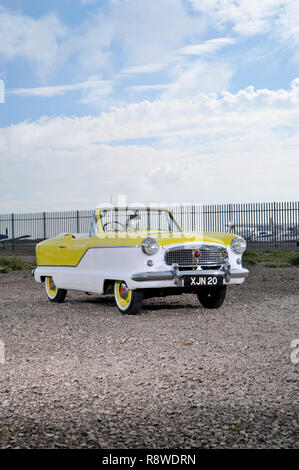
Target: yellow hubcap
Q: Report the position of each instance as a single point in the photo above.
(123, 294)
(51, 288)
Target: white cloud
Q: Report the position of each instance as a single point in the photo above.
(212, 148)
(205, 114)
(98, 94)
(288, 24)
(141, 37)
(144, 69)
(247, 17)
(207, 47)
(150, 30)
(89, 45)
(141, 88)
(2, 91)
(35, 40)
(277, 18)
(189, 79)
(144, 33)
(101, 86)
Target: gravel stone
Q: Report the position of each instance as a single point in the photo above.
(81, 375)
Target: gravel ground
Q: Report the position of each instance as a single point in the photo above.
(81, 375)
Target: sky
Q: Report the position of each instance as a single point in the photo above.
(163, 101)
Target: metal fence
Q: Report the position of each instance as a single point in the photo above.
(264, 225)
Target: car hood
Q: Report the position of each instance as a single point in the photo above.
(166, 238)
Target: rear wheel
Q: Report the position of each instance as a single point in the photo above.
(53, 292)
(211, 297)
(127, 301)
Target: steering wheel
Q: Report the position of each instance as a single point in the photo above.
(111, 223)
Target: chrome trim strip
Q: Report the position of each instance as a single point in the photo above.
(114, 246)
(153, 276)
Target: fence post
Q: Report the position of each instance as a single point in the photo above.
(44, 224)
(78, 222)
(275, 224)
(192, 218)
(13, 232)
(230, 218)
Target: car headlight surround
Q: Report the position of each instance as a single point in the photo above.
(239, 245)
(150, 246)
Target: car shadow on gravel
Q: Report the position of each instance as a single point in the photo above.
(166, 306)
(96, 300)
(109, 301)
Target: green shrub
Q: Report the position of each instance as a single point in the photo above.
(250, 258)
(283, 258)
(13, 264)
(294, 259)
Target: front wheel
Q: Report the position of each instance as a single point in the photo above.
(211, 297)
(53, 292)
(127, 301)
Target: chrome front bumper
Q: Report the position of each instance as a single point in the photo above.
(226, 272)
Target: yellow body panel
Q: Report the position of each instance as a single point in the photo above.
(62, 251)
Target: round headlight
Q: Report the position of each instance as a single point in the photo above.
(239, 245)
(150, 246)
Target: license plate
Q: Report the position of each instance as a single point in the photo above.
(197, 281)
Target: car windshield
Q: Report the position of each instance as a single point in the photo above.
(122, 220)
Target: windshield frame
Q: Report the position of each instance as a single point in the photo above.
(173, 225)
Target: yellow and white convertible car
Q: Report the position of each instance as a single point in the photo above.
(138, 253)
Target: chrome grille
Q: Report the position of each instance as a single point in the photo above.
(209, 255)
